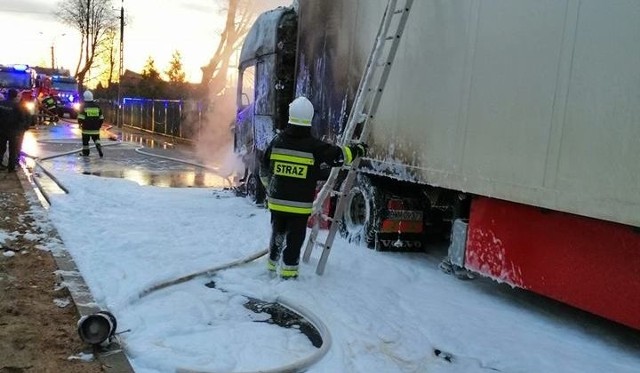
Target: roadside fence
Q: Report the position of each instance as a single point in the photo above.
(182, 119)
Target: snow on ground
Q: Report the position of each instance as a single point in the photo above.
(386, 312)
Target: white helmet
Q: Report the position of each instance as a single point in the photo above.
(88, 96)
(301, 112)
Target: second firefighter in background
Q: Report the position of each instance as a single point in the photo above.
(290, 169)
(90, 119)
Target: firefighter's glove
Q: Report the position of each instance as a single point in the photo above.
(359, 150)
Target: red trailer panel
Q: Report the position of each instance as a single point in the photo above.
(591, 264)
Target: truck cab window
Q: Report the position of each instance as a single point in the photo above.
(247, 84)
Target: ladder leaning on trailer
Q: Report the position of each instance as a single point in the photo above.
(365, 105)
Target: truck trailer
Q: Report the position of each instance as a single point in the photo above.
(511, 127)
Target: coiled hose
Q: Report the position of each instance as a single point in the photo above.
(297, 366)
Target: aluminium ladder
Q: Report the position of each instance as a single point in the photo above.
(366, 102)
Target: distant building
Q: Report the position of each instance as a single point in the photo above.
(130, 80)
(49, 71)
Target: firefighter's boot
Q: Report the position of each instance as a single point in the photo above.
(99, 148)
(272, 267)
(289, 272)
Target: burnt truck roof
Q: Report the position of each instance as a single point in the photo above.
(261, 38)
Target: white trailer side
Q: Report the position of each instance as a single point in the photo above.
(536, 102)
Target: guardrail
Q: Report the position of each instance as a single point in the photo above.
(175, 118)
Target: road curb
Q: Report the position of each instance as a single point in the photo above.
(112, 357)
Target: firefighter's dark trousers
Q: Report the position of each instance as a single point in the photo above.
(85, 143)
(287, 237)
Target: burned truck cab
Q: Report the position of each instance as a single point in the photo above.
(265, 88)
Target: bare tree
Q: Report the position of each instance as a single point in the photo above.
(240, 17)
(94, 20)
(106, 59)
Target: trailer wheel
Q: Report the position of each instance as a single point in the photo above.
(363, 212)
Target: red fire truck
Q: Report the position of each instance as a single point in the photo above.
(62, 87)
(22, 78)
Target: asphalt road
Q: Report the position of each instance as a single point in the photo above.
(129, 154)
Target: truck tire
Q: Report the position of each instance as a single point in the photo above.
(363, 212)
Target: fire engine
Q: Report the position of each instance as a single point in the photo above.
(23, 79)
(63, 88)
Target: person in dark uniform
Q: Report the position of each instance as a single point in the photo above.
(12, 121)
(90, 118)
(49, 105)
(290, 168)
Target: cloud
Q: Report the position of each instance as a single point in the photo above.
(26, 6)
(197, 6)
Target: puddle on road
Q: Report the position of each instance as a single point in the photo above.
(181, 179)
(142, 172)
(159, 172)
(145, 141)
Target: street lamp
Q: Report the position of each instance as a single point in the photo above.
(53, 54)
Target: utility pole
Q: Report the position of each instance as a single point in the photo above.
(52, 48)
(120, 115)
(86, 47)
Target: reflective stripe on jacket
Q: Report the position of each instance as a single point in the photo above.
(291, 167)
(90, 118)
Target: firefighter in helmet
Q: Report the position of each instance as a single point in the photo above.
(90, 119)
(290, 168)
(49, 107)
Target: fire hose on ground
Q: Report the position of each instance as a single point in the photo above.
(37, 162)
(300, 365)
